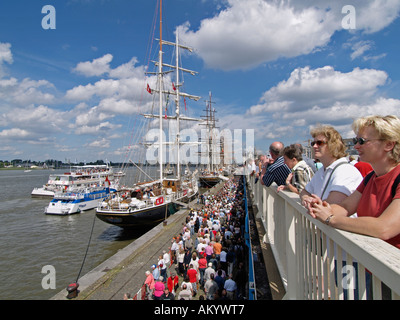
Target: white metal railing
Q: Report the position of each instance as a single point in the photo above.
(316, 261)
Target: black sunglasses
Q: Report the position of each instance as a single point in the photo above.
(361, 141)
(318, 143)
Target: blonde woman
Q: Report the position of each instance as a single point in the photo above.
(376, 200)
(338, 178)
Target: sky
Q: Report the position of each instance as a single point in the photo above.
(73, 80)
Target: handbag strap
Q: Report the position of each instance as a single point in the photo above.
(327, 183)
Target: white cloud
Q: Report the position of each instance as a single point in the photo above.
(360, 48)
(321, 95)
(322, 87)
(102, 143)
(96, 67)
(128, 70)
(375, 15)
(249, 33)
(91, 121)
(37, 121)
(14, 133)
(5, 53)
(122, 93)
(91, 117)
(26, 92)
(101, 128)
(5, 56)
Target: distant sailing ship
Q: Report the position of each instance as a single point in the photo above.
(212, 173)
(151, 201)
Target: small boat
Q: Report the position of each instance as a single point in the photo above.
(66, 203)
(78, 176)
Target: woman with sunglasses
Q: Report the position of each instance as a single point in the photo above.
(376, 201)
(337, 179)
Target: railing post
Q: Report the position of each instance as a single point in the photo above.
(292, 278)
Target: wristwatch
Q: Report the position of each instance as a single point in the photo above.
(329, 219)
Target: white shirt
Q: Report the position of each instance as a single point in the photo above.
(345, 179)
(166, 258)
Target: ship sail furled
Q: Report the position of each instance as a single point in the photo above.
(174, 92)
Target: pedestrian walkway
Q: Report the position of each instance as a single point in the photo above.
(216, 222)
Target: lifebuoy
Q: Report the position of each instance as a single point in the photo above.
(159, 201)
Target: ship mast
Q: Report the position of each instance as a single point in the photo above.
(211, 142)
(177, 110)
(160, 85)
(175, 92)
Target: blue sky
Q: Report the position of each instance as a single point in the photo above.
(278, 67)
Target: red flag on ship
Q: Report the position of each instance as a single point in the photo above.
(184, 100)
(148, 89)
(173, 86)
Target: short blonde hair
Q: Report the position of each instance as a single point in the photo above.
(387, 127)
(335, 142)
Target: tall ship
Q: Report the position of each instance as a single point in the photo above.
(153, 200)
(213, 171)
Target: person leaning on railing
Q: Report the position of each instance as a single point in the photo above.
(301, 173)
(338, 179)
(376, 201)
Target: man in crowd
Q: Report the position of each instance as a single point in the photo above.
(274, 169)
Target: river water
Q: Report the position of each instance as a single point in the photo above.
(31, 240)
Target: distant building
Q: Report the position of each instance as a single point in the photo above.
(350, 146)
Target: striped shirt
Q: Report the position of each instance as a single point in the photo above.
(277, 172)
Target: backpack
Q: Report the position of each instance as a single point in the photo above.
(394, 186)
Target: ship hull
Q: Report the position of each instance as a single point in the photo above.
(138, 218)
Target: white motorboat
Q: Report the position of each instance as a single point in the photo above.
(78, 176)
(66, 203)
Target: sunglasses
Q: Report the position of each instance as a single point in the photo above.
(361, 141)
(318, 143)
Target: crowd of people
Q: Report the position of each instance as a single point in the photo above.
(207, 259)
(342, 187)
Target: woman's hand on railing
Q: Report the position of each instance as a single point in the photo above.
(307, 201)
(322, 210)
